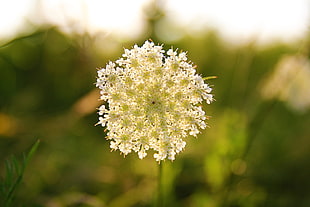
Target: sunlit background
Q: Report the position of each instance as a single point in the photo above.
(237, 20)
(256, 151)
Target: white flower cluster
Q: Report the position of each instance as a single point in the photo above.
(152, 101)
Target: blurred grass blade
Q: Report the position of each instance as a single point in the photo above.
(33, 149)
(15, 169)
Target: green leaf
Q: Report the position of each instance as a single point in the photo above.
(14, 174)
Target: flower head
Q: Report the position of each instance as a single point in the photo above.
(152, 101)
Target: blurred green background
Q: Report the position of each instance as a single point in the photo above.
(255, 153)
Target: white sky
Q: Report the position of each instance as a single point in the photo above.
(235, 19)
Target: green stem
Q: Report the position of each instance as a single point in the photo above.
(159, 186)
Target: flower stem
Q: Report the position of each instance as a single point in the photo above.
(160, 201)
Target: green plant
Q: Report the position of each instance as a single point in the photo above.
(14, 171)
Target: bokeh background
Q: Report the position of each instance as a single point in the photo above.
(256, 151)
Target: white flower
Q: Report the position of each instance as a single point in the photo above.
(152, 101)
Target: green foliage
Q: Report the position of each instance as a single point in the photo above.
(14, 172)
(255, 152)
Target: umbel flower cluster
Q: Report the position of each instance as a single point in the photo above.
(152, 101)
